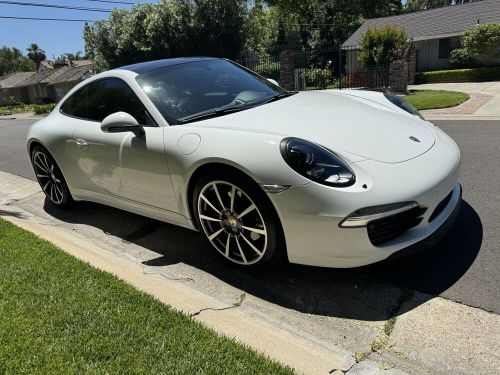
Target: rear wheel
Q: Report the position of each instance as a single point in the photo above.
(50, 177)
(238, 220)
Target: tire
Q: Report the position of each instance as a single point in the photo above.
(50, 177)
(245, 230)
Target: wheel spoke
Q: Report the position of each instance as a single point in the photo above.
(251, 245)
(44, 187)
(209, 218)
(44, 161)
(249, 209)
(241, 251)
(42, 175)
(59, 190)
(44, 169)
(52, 192)
(255, 230)
(227, 244)
(233, 193)
(218, 196)
(209, 203)
(215, 234)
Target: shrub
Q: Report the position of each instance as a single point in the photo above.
(461, 58)
(40, 109)
(460, 75)
(482, 39)
(379, 47)
(319, 78)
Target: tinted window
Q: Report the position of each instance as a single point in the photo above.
(101, 98)
(76, 104)
(183, 90)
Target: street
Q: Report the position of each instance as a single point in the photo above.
(463, 267)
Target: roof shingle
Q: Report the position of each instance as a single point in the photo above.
(431, 23)
(15, 79)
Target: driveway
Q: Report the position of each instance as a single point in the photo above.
(484, 98)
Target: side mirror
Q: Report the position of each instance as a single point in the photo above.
(274, 82)
(121, 122)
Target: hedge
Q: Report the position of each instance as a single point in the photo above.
(460, 75)
(41, 109)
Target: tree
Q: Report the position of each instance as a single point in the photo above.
(322, 23)
(476, 44)
(379, 47)
(13, 60)
(169, 28)
(218, 27)
(36, 54)
(416, 5)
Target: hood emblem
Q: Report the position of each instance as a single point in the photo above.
(415, 139)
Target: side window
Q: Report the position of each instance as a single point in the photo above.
(112, 95)
(101, 98)
(76, 104)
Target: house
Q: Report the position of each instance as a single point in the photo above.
(434, 33)
(48, 84)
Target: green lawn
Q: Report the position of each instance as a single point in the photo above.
(59, 315)
(429, 99)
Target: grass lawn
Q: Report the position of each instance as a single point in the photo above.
(429, 99)
(60, 315)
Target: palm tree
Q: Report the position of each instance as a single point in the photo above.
(36, 54)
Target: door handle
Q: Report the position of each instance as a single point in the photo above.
(82, 144)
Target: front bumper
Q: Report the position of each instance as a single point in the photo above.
(311, 214)
(439, 233)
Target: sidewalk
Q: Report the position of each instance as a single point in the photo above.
(484, 100)
(408, 332)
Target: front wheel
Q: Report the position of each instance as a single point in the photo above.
(50, 177)
(238, 220)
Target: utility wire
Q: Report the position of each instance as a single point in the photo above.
(20, 3)
(45, 19)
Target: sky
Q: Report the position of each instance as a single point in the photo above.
(54, 37)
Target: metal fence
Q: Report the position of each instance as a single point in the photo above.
(319, 69)
(267, 65)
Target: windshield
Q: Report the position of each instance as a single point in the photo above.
(186, 90)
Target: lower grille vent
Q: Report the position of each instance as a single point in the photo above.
(388, 228)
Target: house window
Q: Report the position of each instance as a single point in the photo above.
(444, 48)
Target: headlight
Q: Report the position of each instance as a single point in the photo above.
(403, 104)
(316, 163)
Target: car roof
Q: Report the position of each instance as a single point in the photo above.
(147, 66)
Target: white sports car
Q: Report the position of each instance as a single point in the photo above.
(327, 178)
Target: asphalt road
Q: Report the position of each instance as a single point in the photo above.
(463, 267)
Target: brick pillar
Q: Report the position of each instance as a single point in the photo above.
(412, 65)
(287, 67)
(398, 76)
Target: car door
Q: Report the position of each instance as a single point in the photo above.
(122, 164)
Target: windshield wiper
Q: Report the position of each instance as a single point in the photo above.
(215, 113)
(273, 98)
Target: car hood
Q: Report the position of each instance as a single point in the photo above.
(343, 123)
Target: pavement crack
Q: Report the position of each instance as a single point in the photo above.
(167, 277)
(236, 303)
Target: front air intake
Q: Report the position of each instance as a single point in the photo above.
(388, 228)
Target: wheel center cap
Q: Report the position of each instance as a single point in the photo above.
(232, 221)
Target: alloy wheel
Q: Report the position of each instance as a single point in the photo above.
(49, 177)
(232, 222)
